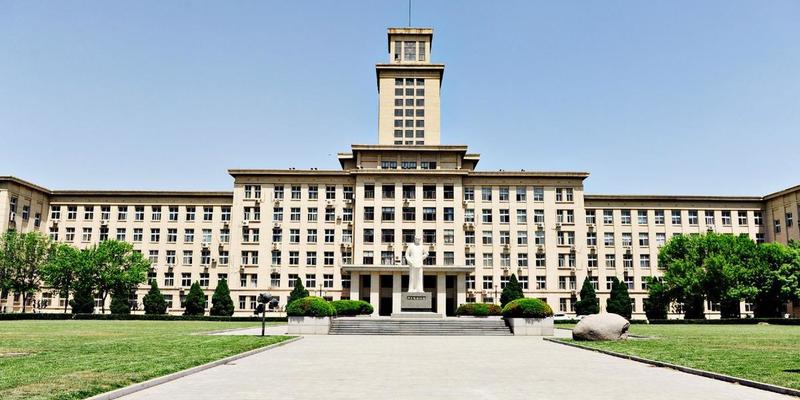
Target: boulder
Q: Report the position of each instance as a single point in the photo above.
(603, 326)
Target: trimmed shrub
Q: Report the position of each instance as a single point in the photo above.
(82, 301)
(349, 308)
(589, 303)
(527, 308)
(478, 310)
(195, 301)
(310, 306)
(221, 302)
(153, 301)
(511, 292)
(298, 292)
(120, 303)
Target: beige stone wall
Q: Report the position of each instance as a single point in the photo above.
(783, 209)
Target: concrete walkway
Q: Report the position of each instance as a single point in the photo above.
(456, 367)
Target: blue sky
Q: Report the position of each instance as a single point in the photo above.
(677, 97)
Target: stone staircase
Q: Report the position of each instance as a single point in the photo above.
(419, 327)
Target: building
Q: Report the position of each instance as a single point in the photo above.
(343, 231)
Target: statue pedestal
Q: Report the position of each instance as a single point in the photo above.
(416, 301)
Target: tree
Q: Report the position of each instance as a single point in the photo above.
(60, 272)
(511, 292)
(658, 299)
(120, 303)
(84, 283)
(619, 302)
(774, 279)
(589, 303)
(82, 300)
(23, 257)
(195, 301)
(153, 301)
(119, 268)
(221, 302)
(298, 292)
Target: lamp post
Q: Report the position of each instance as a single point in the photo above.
(263, 300)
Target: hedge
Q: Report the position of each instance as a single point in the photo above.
(527, 308)
(349, 308)
(131, 317)
(310, 306)
(728, 321)
(478, 310)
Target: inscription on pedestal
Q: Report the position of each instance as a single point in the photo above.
(416, 301)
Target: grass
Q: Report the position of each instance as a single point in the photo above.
(763, 353)
(78, 359)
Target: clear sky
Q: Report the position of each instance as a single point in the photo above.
(671, 97)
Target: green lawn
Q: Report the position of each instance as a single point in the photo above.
(764, 353)
(78, 359)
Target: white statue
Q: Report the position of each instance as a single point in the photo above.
(415, 256)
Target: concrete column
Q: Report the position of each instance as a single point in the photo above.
(374, 292)
(441, 294)
(397, 286)
(355, 286)
(461, 289)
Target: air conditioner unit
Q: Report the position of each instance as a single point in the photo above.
(592, 249)
(245, 223)
(103, 222)
(328, 202)
(276, 224)
(348, 201)
(540, 226)
(275, 246)
(572, 248)
(590, 226)
(12, 216)
(505, 269)
(558, 226)
(540, 249)
(277, 202)
(506, 246)
(55, 222)
(275, 269)
(205, 245)
(170, 266)
(710, 228)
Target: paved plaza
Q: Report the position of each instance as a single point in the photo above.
(461, 367)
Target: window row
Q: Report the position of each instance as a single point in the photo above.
(157, 213)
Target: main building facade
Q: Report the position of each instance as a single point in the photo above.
(343, 232)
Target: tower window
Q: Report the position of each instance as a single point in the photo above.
(422, 51)
(420, 82)
(410, 51)
(397, 49)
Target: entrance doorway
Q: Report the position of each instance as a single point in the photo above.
(364, 287)
(385, 293)
(450, 292)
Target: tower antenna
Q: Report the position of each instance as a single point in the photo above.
(409, 13)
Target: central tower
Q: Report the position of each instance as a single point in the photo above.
(408, 90)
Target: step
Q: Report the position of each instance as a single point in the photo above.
(426, 327)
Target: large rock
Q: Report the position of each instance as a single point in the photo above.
(603, 326)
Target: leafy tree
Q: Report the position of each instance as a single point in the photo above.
(221, 302)
(511, 292)
(298, 292)
(153, 301)
(774, 279)
(119, 268)
(23, 257)
(589, 303)
(60, 272)
(195, 301)
(619, 302)
(658, 299)
(681, 257)
(120, 303)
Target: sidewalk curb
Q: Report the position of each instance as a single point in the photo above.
(136, 387)
(693, 371)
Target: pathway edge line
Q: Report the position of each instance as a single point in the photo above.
(137, 387)
(688, 370)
